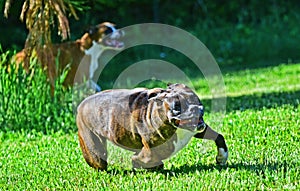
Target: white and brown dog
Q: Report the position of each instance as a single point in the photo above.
(153, 123)
(81, 54)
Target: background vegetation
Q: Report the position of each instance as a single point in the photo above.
(256, 46)
(247, 32)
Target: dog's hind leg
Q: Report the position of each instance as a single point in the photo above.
(210, 134)
(94, 147)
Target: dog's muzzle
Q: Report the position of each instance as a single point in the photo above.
(192, 121)
(201, 126)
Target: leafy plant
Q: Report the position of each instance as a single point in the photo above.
(39, 17)
(26, 103)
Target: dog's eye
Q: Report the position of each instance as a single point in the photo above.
(108, 31)
(176, 106)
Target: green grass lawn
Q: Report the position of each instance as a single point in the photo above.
(261, 126)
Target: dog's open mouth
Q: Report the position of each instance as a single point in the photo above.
(191, 119)
(191, 124)
(114, 43)
(113, 39)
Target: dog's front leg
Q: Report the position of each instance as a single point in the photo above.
(210, 134)
(146, 158)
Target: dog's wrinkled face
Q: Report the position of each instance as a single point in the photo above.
(185, 109)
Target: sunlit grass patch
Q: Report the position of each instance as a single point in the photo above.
(40, 149)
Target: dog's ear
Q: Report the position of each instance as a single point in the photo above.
(176, 86)
(154, 92)
(91, 30)
(78, 42)
(137, 100)
(169, 84)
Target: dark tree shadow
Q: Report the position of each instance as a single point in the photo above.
(226, 68)
(258, 101)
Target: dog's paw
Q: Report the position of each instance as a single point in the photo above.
(222, 157)
(137, 164)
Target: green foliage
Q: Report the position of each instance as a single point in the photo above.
(237, 32)
(26, 103)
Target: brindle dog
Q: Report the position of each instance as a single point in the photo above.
(153, 123)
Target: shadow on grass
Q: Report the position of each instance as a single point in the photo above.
(259, 169)
(258, 101)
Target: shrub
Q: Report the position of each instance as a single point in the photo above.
(26, 102)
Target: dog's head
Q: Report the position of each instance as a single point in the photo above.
(184, 109)
(105, 34)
